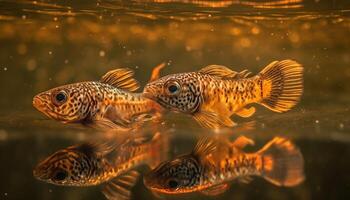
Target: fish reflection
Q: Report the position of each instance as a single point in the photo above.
(108, 103)
(91, 164)
(214, 93)
(215, 162)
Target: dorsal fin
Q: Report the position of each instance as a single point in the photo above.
(204, 147)
(156, 72)
(218, 71)
(121, 78)
(223, 72)
(98, 149)
(243, 74)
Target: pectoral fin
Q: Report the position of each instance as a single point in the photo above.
(212, 120)
(246, 112)
(242, 141)
(120, 188)
(121, 78)
(216, 189)
(113, 114)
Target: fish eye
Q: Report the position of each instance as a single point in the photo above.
(172, 88)
(59, 98)
(60, 175)
(173, 184)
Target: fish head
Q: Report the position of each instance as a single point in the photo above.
(65, 167)
(67, 103)
(177, 92)
(181, 175)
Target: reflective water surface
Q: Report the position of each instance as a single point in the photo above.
(44, 44)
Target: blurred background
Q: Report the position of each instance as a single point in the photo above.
(47, 43)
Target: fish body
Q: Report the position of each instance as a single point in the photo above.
(213, 94)
(91, 164)
(110, 102)
(214, 164)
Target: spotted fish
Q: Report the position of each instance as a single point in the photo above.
(214, 163)
(110, 102)
(91, 164)
(214, 93)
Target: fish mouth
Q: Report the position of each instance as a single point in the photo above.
(38, 103)
(147, 93)
(38, 175)
(150, 183)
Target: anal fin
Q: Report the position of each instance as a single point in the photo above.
(213, 120)
(120, 188)
(215, 190)
(107, 124)
(246, 112)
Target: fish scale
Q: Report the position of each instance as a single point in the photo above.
(108, 103)
(215, 93)
(92, 164)
(217, 162)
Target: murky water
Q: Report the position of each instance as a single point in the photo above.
(49, 43)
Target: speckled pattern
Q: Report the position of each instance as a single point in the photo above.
(279, 162)
(198, 90)
(88, 101)
(85, 165)
(221, 92)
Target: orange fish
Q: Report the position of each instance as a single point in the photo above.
(214, 163)
(91, 164)
(109, 102)
(213, 94)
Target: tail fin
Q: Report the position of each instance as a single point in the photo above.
(282, 85)
(283, 164)
(159, 149)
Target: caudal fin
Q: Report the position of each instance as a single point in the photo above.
(282, 85)
(283, 163)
